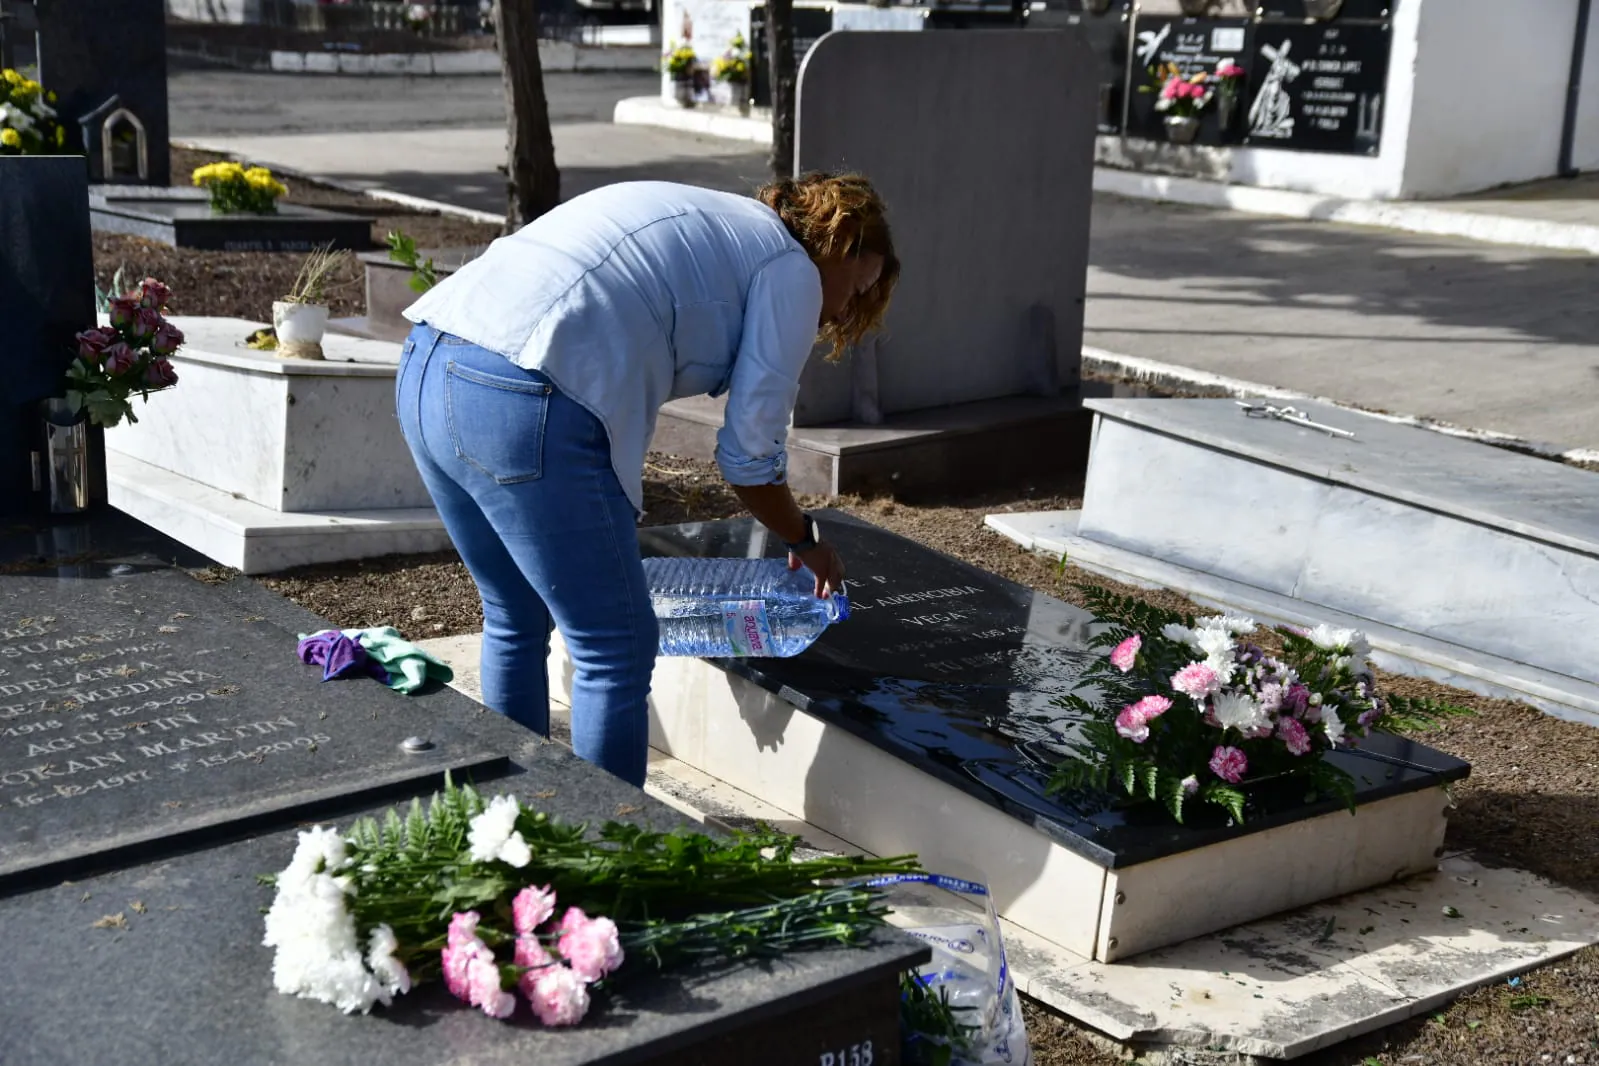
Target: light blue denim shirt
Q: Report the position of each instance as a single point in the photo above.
(642, 292)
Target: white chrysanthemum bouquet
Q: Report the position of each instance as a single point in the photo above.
(1189, 710)
(496, 899)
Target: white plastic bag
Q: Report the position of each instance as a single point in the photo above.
(956, 918)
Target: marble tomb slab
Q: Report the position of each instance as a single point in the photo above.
(1449, 539)
(142, 707)
(184, 223)
(926, 723)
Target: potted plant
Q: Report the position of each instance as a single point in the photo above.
(680, 68)
(1229, 78)
(301, 318)
(28, 123)
(733, 67)
(236, 189)
(1182, 99)
(418, 17)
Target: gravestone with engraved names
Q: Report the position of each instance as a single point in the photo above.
(160, 745)
(1192, 46)
(1318, 87)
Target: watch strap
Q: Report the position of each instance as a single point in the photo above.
(812, 538)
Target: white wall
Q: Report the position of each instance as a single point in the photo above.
(1490, 93)
(1585, 147)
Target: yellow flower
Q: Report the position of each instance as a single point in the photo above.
(10, 138)
(12, 76)
(61, 136)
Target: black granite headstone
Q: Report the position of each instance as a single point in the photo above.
(1107, 34)
(46, 297)
(956, 671)
(1319, 87)
(92, 50)
(1193, 45)
(810, 23)
(190, 223)
(139, 705)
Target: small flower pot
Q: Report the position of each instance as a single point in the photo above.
(1182, 129)
(1226, 108)
(66, 457)
(1323, 9)
(299, 328)
(683, 92)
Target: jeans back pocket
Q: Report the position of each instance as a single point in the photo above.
(496, 424)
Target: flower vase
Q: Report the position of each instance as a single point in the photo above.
(1226, 108)
(299, 328)
(1182, 129)
(683, 92)
(66, 457)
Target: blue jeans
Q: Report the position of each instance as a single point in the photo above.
(522, 478)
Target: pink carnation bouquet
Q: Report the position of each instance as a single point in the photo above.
(130, 355)
(1182, 97)
(517, 913)
(1192, 710)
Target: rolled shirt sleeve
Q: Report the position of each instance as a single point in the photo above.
(781, 318)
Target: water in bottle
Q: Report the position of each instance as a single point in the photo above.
(738, 608)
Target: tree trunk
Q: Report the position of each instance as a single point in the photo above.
(780, 58)
(533, 182)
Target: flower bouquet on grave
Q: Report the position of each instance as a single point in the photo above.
(1181, 100)
(1191, 712)
(733, 68)
(28, 123)
(504, 904)
(236, 189)
(679, 62)
(418, 17)
(1229, 79)
(132, 354)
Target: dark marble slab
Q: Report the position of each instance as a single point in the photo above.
(46, 297)
(956, 670)
(186, 223)
(141, 705)
(90, 50)
(187, 982)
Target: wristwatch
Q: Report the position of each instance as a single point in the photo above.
(813, 537)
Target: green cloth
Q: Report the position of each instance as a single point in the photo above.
(409, 666)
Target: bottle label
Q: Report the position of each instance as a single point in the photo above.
(748, 631)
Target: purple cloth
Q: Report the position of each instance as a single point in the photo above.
(339, 656)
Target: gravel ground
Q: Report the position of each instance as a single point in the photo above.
(1532, 801)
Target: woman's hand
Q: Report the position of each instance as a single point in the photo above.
(823, 562)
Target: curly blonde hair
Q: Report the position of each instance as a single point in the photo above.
(834, 216)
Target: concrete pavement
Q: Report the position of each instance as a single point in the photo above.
(1485, 336)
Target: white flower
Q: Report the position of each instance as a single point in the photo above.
(1234, 710)
(1181, 635)
(1227, 623)
(493, 835)
(390, 972)
(1334, 726)
(1330, 638)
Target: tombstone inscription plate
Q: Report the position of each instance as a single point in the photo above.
(1318, 87)
(1194, 46)
(956, 671)
(139, 704)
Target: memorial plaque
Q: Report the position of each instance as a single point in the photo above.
(1351, 11)
(1318, 87)
(1193, 45)
(956, 671)
(1107, 36)
(140, 704)
(810, 23)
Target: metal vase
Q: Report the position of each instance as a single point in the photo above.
(66, 458)
(1181, 129)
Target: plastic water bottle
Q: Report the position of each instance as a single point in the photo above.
(738, 608)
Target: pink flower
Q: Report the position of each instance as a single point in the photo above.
(458, 959)
(1296, 700)
(1229, 69)
(590, 945)
(1196, 680)
(160, 374)
(1172, 90)
(119, 358)
(92, 342)
(559, 997)
(153, 294)
(1229, 764)
(1126, 653)
(463, 927)
(483, 986)
(1293, 735)
(1133, 721)
(532, 958)
(146, 320)
(531, 908)
(168, 339)
(1190, 785)
(123, 309)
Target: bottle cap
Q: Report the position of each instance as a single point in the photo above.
(840, 606)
